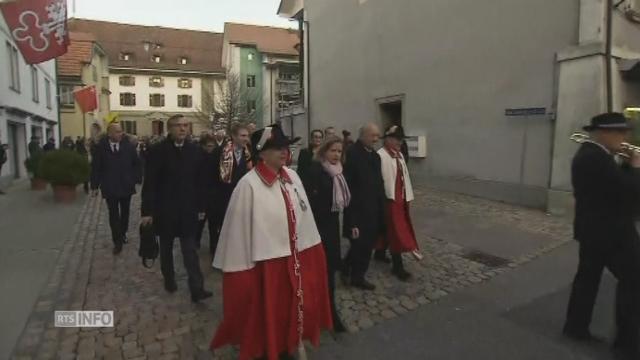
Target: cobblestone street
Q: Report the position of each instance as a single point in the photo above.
(151, 324)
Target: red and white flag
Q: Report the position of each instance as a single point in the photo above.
(39, 28)
(87, 98)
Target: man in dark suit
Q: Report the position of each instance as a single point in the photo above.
(364, 218)
(230, 162)
(607, 197)
(115, 170)
(34, 146)
(50, 145)
(173, 201)
(3, 159)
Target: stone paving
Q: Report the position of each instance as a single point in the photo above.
(151, 324)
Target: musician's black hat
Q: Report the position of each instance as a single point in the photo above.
(395, 131)
(609, 121)
(270, 137)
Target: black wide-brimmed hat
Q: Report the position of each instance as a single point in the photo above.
(271, 137)
(395, 131)
(609, 121)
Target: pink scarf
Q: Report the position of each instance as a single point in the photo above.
(341, 193)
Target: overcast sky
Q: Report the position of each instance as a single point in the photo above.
(187, 14)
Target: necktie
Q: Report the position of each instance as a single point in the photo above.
(115, 148)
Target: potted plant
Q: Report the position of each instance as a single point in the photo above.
(33, 167)
(65, 170)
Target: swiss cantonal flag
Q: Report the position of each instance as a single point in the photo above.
(87, 98)
(39, 28)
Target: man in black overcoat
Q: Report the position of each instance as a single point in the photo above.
(364, 218)
(607, 196)
(229, 163)
(173, 201)
(115, 171)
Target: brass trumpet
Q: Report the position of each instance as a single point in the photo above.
(626, 147)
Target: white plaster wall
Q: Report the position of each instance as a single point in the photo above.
(459, 64)
(143, 90)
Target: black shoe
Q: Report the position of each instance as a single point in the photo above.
(2, 192)
(338, 326)
(401, 274)
(200, 295)
(345, 277)
(381, 256)
(170, 286)
(363, 285)
(117, 249)
(620, 353)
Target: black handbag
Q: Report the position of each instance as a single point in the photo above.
(149, 245)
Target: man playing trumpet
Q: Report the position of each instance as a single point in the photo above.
(607, 196)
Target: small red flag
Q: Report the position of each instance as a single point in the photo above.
(87, 98)
(39, 28)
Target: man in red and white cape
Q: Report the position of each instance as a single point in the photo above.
(400, 236)
(275, 289)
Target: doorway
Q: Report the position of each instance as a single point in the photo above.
(16, 136)
(157, 127)
(390, 110)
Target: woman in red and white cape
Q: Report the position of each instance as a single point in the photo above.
(275, 291)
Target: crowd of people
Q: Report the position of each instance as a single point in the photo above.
(274, 232)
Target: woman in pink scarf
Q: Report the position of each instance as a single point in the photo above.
(329, 194)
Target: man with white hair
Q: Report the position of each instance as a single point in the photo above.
(220, 136)
(115, 170)
(364, 218)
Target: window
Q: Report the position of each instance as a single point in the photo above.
(47, 92)
(183, 61)
(156, 81)
(94, 73)
(251, 81)
(66, 96)
(185, 101)
(35, 93)
(129, 127)
(127, 80)
(156, 100)
(185, 83)
(156, 59)
(251, 106)
(14, 70)
(125, 56)
(128, 99)
(250, 56)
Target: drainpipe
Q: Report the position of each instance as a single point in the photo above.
(609, 54)
(305, 55)
(271, 93)
(59, 112)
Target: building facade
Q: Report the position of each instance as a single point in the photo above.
(28, 104)
(156, 72)
(85, 64)
(265, 60)
(496, 89)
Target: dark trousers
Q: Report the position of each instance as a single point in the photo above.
(119, 218)
(359, 256)
(624, 263)
(396, 260)
(331, 276)
(215, 225)
(210, 224)
(190, 258)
